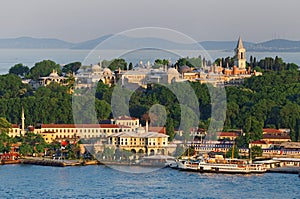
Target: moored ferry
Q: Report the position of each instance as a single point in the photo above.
(233, 166)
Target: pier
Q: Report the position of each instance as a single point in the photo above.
(50, 162)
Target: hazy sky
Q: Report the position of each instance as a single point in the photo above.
(80, 20)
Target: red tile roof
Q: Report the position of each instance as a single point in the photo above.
(83, 126)
(157, 129)
(270, 136)
(269, 130)
(258, 142)
(15, 126)
(228, 134)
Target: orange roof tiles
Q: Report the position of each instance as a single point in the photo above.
(228, 134)
(270, 130)
(83, 126)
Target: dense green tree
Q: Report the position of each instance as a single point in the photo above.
(11, 86)
(19, 69)
(170, 129)
(4, 125)
(235, 153)
(42, 69)
(256, 151)
(115, 64)
(71, 67)
(130, 66)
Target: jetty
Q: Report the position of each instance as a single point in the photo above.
(286, 169)
(50, 162)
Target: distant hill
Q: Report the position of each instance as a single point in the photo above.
(223, 45)
(276, 45)
(34, 43)
(90, 44)
(125, 42)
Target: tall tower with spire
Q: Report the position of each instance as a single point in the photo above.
(240, 55)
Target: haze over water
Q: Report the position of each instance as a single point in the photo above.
(10, 57)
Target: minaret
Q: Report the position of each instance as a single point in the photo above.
(240, 55)
(23, 121)
(147, 127)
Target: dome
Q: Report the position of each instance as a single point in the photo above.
(107, 71)
(172, 71)
(185, 69)
(54, 74)
(96, 68)
(140, 130)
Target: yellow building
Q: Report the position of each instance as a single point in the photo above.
(140, 141)
(132, 122)
(59, 132)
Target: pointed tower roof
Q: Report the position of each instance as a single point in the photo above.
(240, 43)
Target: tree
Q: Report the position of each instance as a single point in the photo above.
(71, 67)
(130, 67)
(19, 69)
(4, 125)
(115, 64)
(235, 153)
(170, 129)
(256, 151)
(42, 69)
(26, 149)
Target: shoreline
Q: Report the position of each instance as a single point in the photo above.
(69, 163)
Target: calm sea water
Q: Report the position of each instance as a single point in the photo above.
(10, 57)
(28, 181)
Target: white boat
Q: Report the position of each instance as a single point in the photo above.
(222, 166)
(188, 165)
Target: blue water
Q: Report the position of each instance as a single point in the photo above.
(10, 57)
(28, 181)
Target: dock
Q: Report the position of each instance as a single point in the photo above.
(286, 169)
(50, 162)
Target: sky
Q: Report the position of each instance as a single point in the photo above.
(202, 20)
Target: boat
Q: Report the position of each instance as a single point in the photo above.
(234, 166)
(172, 164)
(188, 165)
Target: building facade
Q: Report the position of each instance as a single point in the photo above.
(140, 142)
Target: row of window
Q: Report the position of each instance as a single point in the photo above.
(142, 143)
(87, 130)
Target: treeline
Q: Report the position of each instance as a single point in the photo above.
(266, 64)
(271, 100)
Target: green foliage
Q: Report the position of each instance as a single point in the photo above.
(71, 67)
(11, 86)
(115, 64)
(170, 129)
(256, 151)
(42, 69)
(235, 153)
(32, 143)
(158, 63)
(130, 66)
(195, 62)
(5, 141)
(19, 69)
(277, 64)
(4, 126)
(190, 151)
(108, 153)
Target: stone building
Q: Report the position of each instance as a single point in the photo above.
(140, 142)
